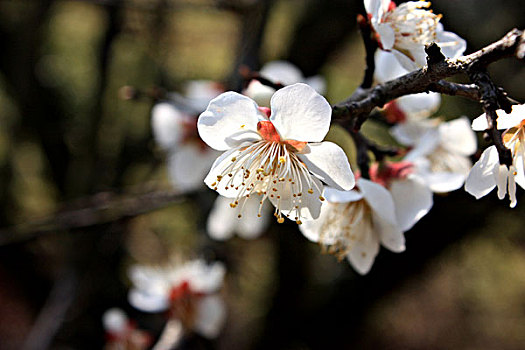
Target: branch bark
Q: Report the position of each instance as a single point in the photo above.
(355, 110)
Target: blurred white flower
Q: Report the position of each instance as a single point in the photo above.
(122, 333)
(440, 150)
(488, 173)
(174, 127)
(223, 222)
(354, 223)
(188, 291)
(404, 30)
(279, 155)
(406, 108)
(284, 73)
(411, 194)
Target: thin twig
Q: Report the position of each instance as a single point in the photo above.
(99, 209)
(370, 48)
(490, 99)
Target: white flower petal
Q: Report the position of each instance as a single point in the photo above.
(147, 301)
(309, 203)
(442, 182)
(218, 167)
(259, 93)
(148, 278)
(364, 252)
(390, 235)
(412, 199)
(481, 179)
(407, 63)
(420, 105)
(512, 187)
(501, 180)
(387, 67)
(328, 162)
(451, 44)
(251, 226)
(211, 315)
(188, 166)
(300, 113)
(199, 93)
(512, 119)
(425, 145)
(480, 123)
(222, 220)
(167, 125)
(377, 8)
(317, 82)
(411, 132)
(520, 165)
(386, 35)
(229, 120)
(203, 277)
(457, 136)
(311, 229)
(336, 196)
(115, 320)
(379, 199)
(282, 72)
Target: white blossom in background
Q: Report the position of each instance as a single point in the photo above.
(406, 108)
(174, 127)
(284, 73)
(122, 333)
(189, 292)
(488, 173)
(410, 192)
(404, 30)
(439, 150)
(279, 156)
(223, 222)
(354, 223)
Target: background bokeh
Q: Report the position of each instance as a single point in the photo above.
(68, 140)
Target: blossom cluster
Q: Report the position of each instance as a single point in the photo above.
(274, 152)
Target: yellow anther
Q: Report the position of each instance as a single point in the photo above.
(233, 205)
(280, 220)
(321, 198)
(299, 222)
(282, 159)
(242, 126)
(310, 191)
(234, 159)
(239, 216)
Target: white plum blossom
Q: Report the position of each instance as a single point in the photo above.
(282, 72)
(174, 127)
(404, 30)
(189, 292)
(354, 223)
(440, 150)
(406, 108)
(487, 172)
(223, 222)
(122, 333)
(410, 192)
(279, 156)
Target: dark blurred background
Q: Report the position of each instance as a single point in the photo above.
(69, 141)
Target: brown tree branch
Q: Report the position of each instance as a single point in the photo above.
(99, 209)
(356, 108)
